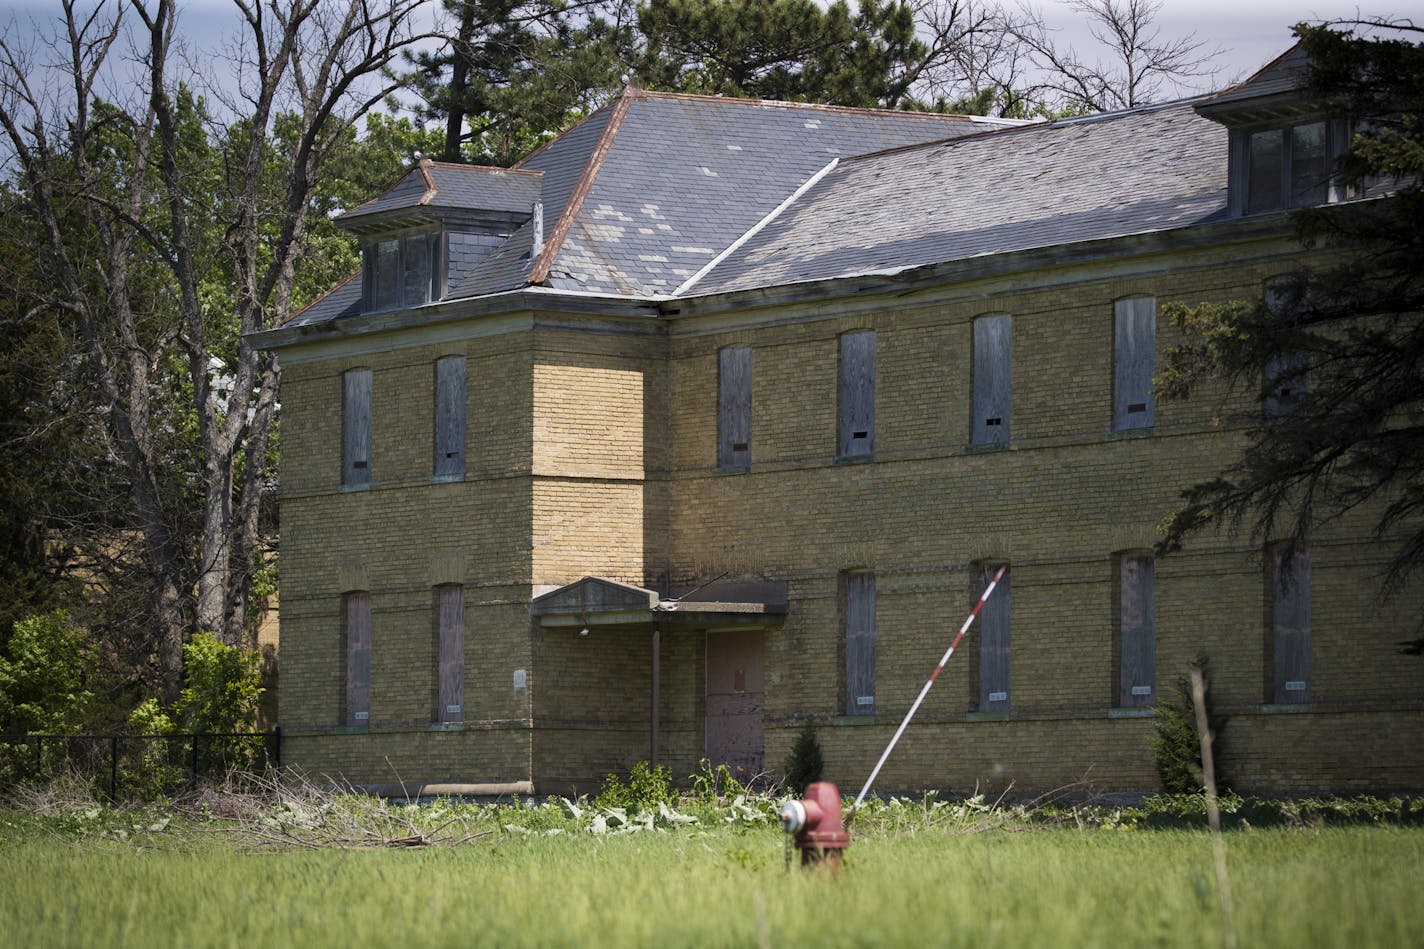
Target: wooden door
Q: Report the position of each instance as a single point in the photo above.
(735, 697)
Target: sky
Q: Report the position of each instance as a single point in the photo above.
(1250, 32)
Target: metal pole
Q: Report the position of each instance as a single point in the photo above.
(657, 696)
(925, 691)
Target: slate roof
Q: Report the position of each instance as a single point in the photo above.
(457, 187)
(1037, 186)
(1284, 75)
(659, 195)
(684, 176)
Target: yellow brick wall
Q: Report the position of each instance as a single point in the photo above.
(1057, 505)
(397, 541)
(592, 451)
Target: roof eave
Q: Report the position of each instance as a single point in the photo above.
(494, 304)
(1056, 256)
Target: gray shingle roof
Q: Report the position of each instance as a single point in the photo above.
(344, 299)
(686, 175)
(1036, 186)
(1287, 73)
(456, 187)
(650, 190)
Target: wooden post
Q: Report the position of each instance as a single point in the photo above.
(657, 696)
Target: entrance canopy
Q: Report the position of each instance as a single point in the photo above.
(600, 603)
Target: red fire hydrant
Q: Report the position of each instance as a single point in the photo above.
(816, 822)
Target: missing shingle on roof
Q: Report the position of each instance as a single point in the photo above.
(708, 171)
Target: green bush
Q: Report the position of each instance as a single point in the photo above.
(646, 788)
(43, 676)
(806, 762)
(220, 695)
(1176, 743)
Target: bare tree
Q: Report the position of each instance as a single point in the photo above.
(1133, 65)
(976, 61)
(168, 233)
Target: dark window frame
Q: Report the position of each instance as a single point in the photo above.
(450, 436)
(734, 407)
(993, 669)
(1134, 363)
(991, 379)
(1288, 622)
(1134, 629)
(376, 297)
(450, 653)
(356, 637)
(357, 386)
(855, 416)
(1282, 180)
(860, 629)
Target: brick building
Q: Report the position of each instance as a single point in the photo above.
(711, 418)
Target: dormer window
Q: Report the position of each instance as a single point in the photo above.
(402, 271)
(1289, 167)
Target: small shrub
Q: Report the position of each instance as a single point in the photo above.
(43, 676)
(713, 785)
(1176, 743)
(806, 762)
(647, 787)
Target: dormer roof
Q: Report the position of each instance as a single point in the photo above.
(431, 191)
(1277, 93)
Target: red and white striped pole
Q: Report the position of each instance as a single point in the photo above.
(925, 691)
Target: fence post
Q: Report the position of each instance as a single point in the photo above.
(114, 768)
(39, 757)
(277, 746)
(193, 780)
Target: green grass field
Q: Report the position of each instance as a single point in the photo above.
(707, 884)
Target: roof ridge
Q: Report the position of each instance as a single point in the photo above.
(811, 106)
(560, 231)
(1033, 127)
(494, 169)
(756, 228)
(610, 104)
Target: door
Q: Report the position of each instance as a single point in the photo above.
(734, 701)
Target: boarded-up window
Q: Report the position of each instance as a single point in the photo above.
(356, 608)
(450, 611)
(1286, 374)
(734, 407)
(857, 395)
(1136, 630)
(860, 643)
(1290, 624)
(450, 416)
(1265, 161)
(1134, 346)
(417, 270)
(356, 427)
(992, 346)
(385, 279)
(993, 642)
(1309, 165)
(404, 271)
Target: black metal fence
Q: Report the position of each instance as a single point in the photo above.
(137, 765)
